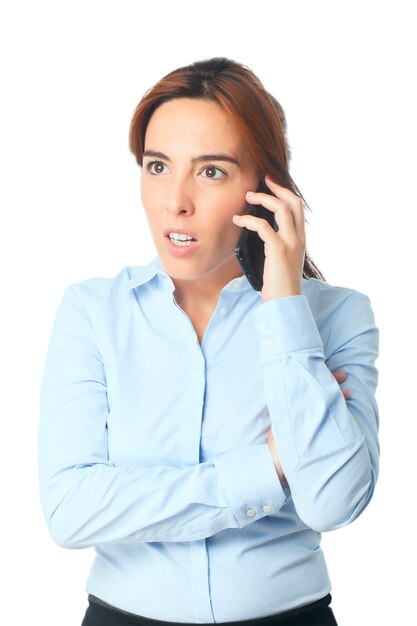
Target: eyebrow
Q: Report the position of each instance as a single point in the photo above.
(202, 157)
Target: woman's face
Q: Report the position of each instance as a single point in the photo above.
(183, 188)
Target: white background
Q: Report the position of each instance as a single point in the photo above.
(72, 73)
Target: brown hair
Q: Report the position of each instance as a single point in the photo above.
(257, 115)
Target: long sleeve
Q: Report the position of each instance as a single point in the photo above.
(87, 500)
(328, 446)
(153, 444)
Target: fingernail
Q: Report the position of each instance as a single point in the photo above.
(250, 193)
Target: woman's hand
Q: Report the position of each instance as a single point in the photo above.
(340, 376)
(285, 249)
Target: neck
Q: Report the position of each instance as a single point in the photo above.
(203, 293)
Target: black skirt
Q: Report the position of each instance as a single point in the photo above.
(318, 613)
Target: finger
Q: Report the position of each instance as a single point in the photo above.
(283, 215)
(340, 375)
(286, 194)
(346, 393)
(293, 201)
(262, 227)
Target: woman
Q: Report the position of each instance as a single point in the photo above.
(193, 429)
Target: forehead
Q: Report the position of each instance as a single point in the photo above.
(193, 121)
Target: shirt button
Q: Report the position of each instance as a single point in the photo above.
(223, 310)
(270, 341)
(267, 508)
(250, 512)
(265, 325)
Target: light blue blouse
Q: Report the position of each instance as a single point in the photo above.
(153, 448)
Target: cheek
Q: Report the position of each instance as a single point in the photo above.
(150, 201)
(149, 192)
(223, 227)
(224, 202)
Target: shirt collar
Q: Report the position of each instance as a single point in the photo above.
(139, 275)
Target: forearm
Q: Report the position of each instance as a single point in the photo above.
(323, 452)
(100, 503)
(327, 445)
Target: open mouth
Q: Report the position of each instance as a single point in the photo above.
(180, 242)
(181, 246)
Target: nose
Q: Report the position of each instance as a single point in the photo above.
(180, 197)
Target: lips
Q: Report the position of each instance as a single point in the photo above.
(181, 231)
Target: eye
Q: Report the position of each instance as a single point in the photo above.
(212, 168)
(150, 164)
(159, 165)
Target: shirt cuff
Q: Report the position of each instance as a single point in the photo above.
(250, 481)
(286, 325)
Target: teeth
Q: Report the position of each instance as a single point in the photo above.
(180, 237)
(181, 243)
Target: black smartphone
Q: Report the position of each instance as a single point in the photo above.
(250, 250)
